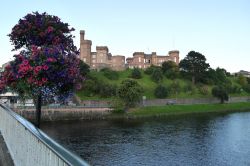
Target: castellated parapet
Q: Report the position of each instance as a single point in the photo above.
(103, 59)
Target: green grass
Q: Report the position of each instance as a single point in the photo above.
(185, 109)
(149, 86)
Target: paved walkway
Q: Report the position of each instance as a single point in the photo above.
(5, 158)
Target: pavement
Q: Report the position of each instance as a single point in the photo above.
(5, 158)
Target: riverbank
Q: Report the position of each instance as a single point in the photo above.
(157, 111)
(97, 113)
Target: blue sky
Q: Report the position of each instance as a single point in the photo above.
(219, 29)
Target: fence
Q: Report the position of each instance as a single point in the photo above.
(29, 146)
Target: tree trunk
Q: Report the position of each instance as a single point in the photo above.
(193, 80)
(38, 110)
(222, 100)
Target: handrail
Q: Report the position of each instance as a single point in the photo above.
(67, 156)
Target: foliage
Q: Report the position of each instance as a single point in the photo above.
(110, 74)
(170, 69)
(150, 69)
(247, 88)
(130, 92)
(203, 89)
(42, 30)
(161, 92)
(107, 90)
(157, 75)
(189, 88)
(136, 73)
(84, 68)
(194, 66)
(43, 70)
(217, 77)
(48, 65)
(221, 93)
(242, 80)
(175, 87)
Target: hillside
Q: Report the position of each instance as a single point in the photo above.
(185, 88)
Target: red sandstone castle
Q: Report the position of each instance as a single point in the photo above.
(102, 58)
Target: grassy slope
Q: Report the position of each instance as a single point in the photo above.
(183, 109)
(148, 86)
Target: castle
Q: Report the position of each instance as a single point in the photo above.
(102, 58)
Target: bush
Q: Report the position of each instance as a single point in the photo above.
(110, 74)
(247, 88)
(204, 90)
(107, 90)
(157, 75)
(161, 92)
(189, 88)
(150, 69)
(175, 87)
(136, 73)
(130, 92)
(221, 93)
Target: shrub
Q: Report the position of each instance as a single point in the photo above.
(175, 87)
(107, 90)
(221, 93)
(189, 88)
(161, 92)
(110, 74)
(130, 92)
(150, 69)
(136, 73)
(247, 88)
(204, 90)
(157, 75)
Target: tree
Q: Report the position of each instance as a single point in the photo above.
(242, 80)
(136, 73)
(194, 65)
(48, 65)
(130, 92)
(221, 93)
(170, 69)
(157, 75)
(161, 92)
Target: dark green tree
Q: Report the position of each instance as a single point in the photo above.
(157, 75)
(170, 69)
(161, 92)
(221, 93)
(194, 66)
(130, 92)
(136, 73)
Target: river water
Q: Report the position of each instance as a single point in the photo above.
(217, 139)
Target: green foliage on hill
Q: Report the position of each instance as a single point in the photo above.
(98, 84)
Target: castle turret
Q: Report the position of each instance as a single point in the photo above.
(174, 55)
(85, 49)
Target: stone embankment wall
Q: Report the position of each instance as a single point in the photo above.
(65, 113)
(161, 102)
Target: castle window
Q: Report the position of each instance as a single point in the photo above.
(93, 60)
(139, 59)
(93, 56)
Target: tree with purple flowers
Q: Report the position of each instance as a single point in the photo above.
(48, 64)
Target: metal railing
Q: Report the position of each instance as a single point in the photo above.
(29, 146)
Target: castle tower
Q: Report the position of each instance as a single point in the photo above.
(85, 49)
(174, 55)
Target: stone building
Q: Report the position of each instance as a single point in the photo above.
(102, 58)
(142, 60)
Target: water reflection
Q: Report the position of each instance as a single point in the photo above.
(221, 139)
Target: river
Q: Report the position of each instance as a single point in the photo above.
(206, 139)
